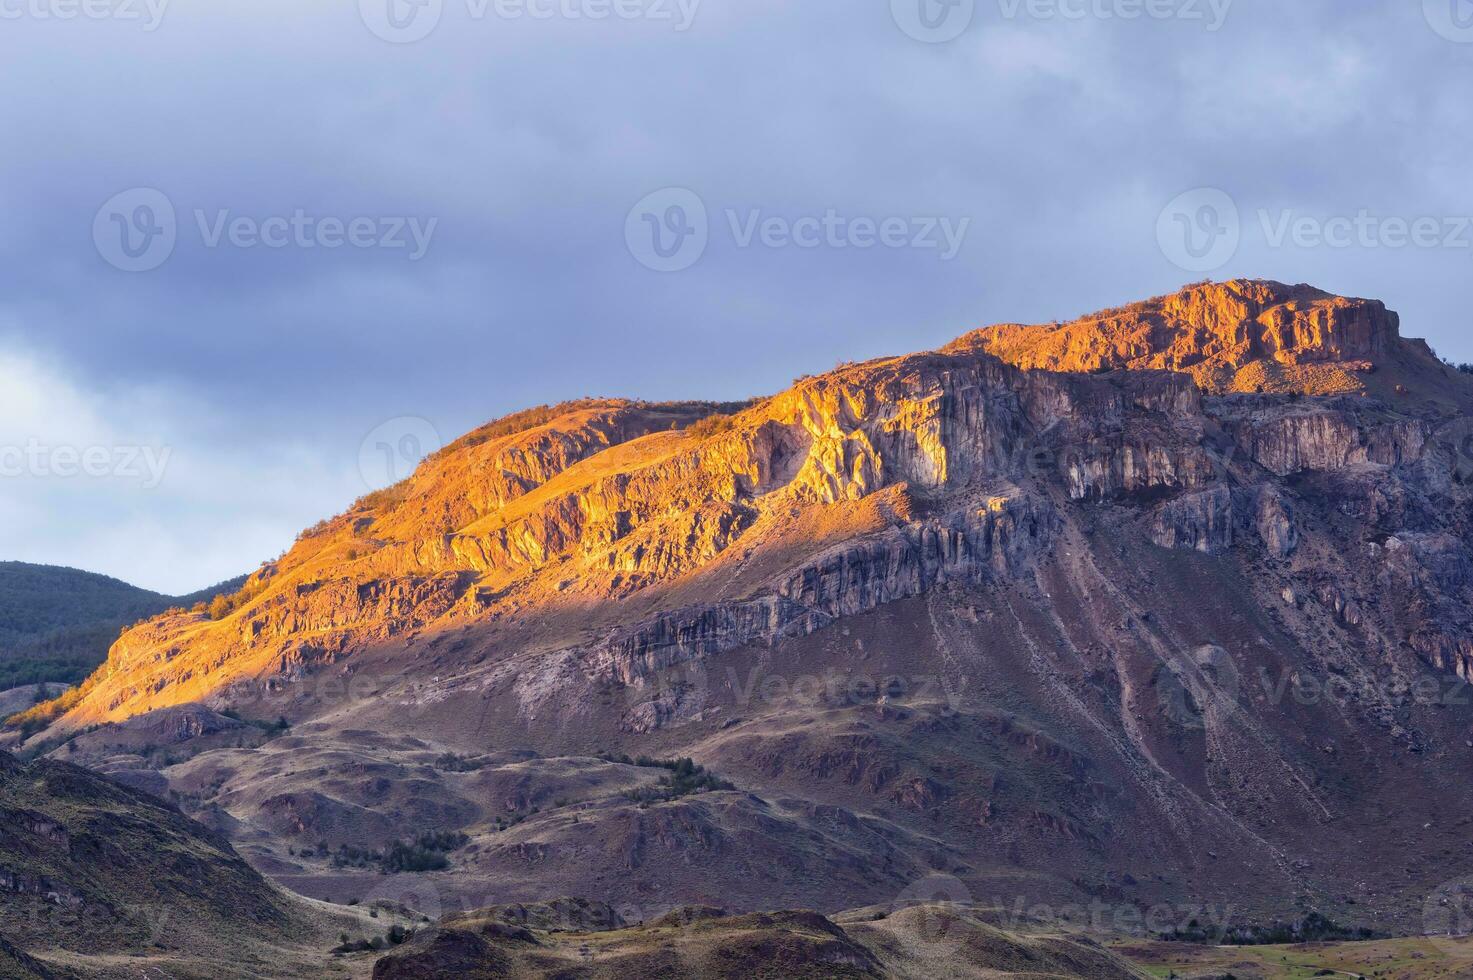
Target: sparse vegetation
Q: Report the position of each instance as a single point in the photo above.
(380, 499)
(350, 856)
(321, 527)
(711, 425)
(272, 728)
(686, 778)
(508, 425)
(721, 420)
(396, 936)
(224, 604)
(66, 668)
(56, 624)
(38, 716)
(450, 762)
(542, 414)
(1313, 928)
(425, 853)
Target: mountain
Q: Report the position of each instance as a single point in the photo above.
(97, 880)
(56, 624)
(1165, 608)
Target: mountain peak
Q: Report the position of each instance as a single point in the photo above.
(1240, 335)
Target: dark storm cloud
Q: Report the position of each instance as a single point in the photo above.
(527, 140)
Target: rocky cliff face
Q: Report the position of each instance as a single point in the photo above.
(1034, 531)
(1229, 336)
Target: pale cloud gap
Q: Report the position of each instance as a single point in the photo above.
(136, 483)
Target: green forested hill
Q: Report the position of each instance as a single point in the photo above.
(56, 624)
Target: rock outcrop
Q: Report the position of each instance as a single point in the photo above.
(1219, 333)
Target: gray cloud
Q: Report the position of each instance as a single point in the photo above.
(530, 140)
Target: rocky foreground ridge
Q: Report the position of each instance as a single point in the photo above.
(1107, 558)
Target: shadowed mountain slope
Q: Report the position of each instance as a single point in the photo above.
(99, 880)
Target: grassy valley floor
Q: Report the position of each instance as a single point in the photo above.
(1389, 959)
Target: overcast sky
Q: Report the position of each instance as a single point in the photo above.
(252, 252)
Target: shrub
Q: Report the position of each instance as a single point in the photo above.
(321, 527)
(380, 499)
(407, 857)
(685, 779)
(1313, 928)
(396, 936)
(425, 853)
(450, 762)
(712, 425)
(37, 717)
